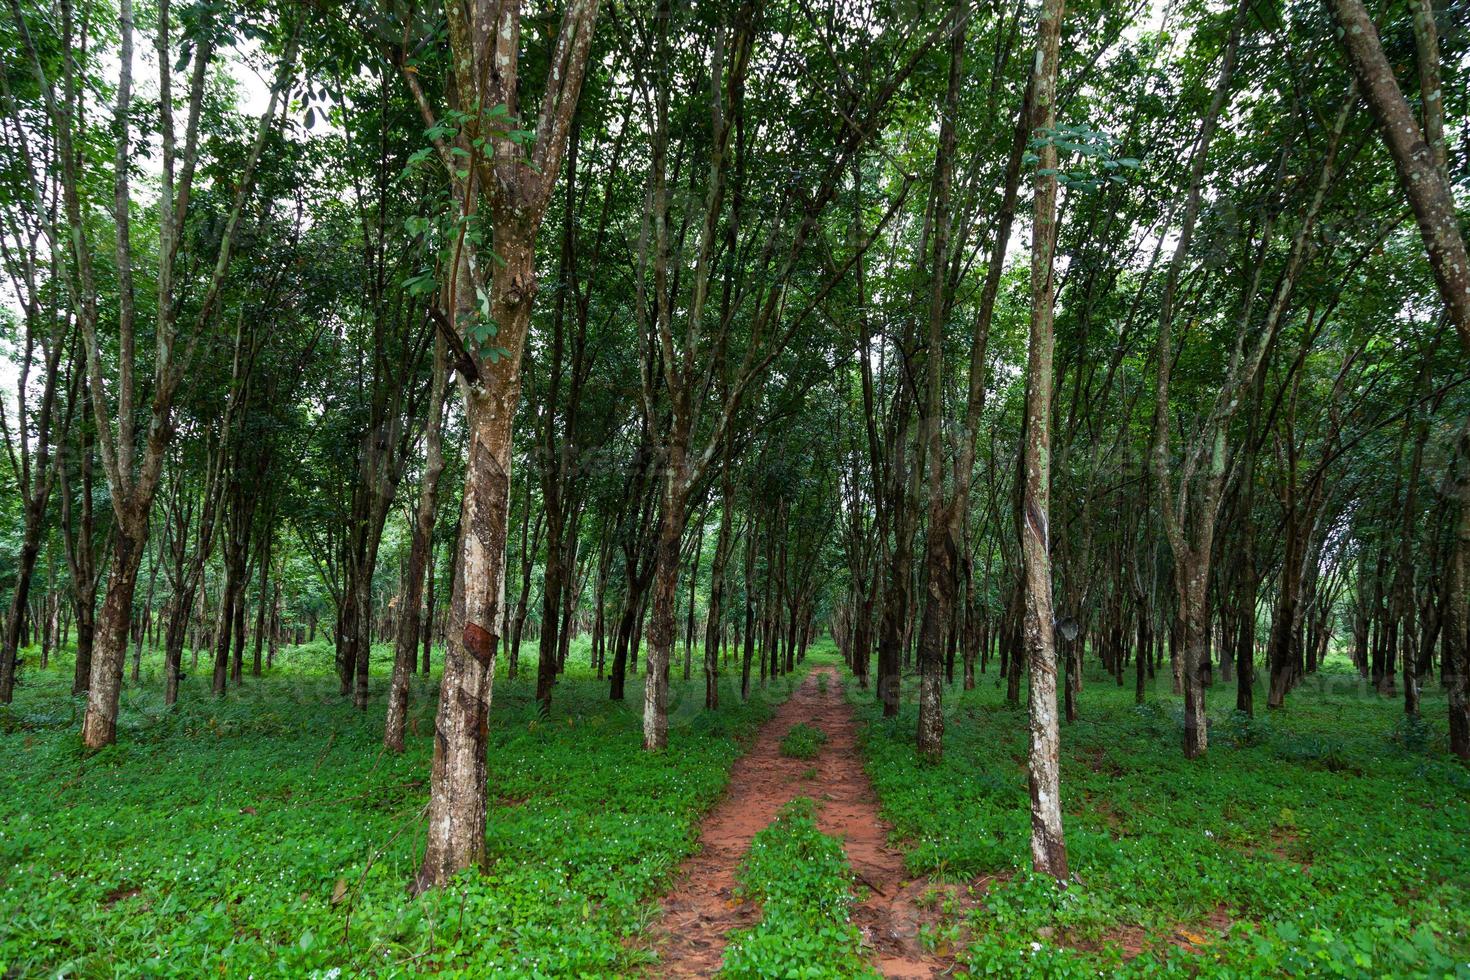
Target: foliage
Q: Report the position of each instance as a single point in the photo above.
(801, 879)
(1321, 842)
(268, 835)
(803, 741)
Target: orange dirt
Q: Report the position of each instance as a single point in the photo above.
(701, 911)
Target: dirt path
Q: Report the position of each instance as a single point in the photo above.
(701, 910)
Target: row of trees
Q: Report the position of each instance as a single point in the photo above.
(967, 332)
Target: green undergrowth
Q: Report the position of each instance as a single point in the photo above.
(268, 834)
(801, 879)
(1325, 839)
(803, 741)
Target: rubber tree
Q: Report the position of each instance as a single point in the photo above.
(501, 176)
(681, 399)
(420, 553)
(1048, 848)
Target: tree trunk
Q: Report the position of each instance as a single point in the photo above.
(622, 640)
(86, 618)
(1191, 622)
(1245, 641)
(1422, 179)
(713, 626)
(689, 613)
(362, 636)
(661, 625)
(104, 690)
(262, 602)
(1457, 607)
(552, 584)
(420, 554)
(1048, 849)
(457, 796)
(225, 621)
(428, 629)
(237, 662)
(939, 547)
(30, 550)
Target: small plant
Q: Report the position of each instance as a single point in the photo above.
(821, 683)
(802, 881)
(1318, 751)
(1242, 731)
(1413, 733)
(803, 741)
(939, 937)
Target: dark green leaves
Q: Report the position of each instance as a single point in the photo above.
(1085, 156)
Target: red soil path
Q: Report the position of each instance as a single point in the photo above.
(701, 911)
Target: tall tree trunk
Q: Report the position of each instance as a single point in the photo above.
(361, 648)
(749, 647)
(713, 626)
(457, 801)
(1189, 530)
(30, 550)
(552, 584)
(429, 601)
(225, 625)
(661, 625)
(622, 639)
(1457, 606)
(939, 545)
(420, 554)
(481, 34)
(262, 601)
(237, 662)
(689, 613)
(104, 689)
(1048, 849)
(1192, 592)
(142, 628)
(86, 620)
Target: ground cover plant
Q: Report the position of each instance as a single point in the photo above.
(269, 835)
(1323, 840)
(802, 741)
(800, 878)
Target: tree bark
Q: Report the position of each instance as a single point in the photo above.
(420, 553)
(30, 550)
(104, 689)
(457, 801)
(661, 625)
(1048, 848)
(483, 33)
(1457, 607)
(939, 545)
(714, 621)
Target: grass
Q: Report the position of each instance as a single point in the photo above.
(802, 881)
(1326, 839)
(268, 835)
(802, 741)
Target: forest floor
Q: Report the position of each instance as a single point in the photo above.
(268, 834)
(1328, 838)
(706, 907)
